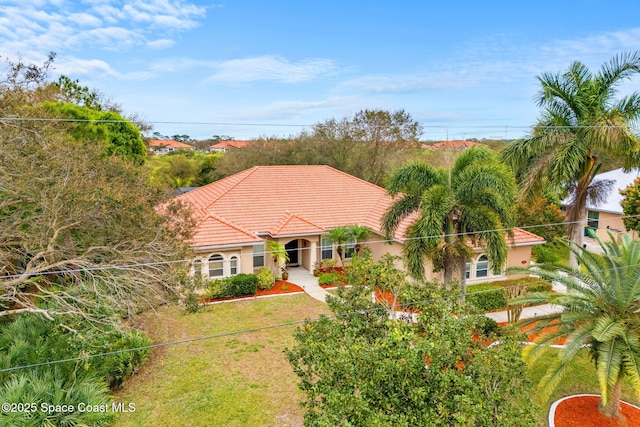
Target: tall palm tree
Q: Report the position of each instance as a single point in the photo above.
(472, 201)
(581, 121)
(601, 311)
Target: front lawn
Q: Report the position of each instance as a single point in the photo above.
(238, 380)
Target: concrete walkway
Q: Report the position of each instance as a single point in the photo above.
(300, 276)
(531, 312)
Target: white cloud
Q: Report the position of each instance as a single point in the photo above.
(295, 109)
(271, 68)
(55, 24)
(160, 43)
(95, 68)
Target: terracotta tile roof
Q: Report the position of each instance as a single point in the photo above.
(292, 224)
(169, 143)
(230, 144)
(222, 232)
(292, 200)
(452, 144)
(258, 200)
(522, 238)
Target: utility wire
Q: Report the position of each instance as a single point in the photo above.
(279, 325)
(501, 127)
(263, 253)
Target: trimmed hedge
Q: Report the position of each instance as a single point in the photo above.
(490, 297)
(231, 287)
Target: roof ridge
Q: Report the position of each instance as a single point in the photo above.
(229, 223)
(286, 218)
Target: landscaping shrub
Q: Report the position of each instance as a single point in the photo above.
(243, 284)
(486, 296)
(492, 298)
(486, 327)
(218, 288)
(265, 278)
(328, 278)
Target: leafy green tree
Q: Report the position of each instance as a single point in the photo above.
(600, 310)
(581, 117)
(119, 136)
(360, 368)
(473, 201)
(631, 205)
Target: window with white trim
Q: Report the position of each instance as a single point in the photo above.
(327, 249)
(467, 270)
(216, 266)
(233, 265)
(258, 255)
(482, 267)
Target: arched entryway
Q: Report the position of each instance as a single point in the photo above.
(301, 253)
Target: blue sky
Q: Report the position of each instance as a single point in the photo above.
(250, 68)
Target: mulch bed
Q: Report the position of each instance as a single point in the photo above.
(279, 288)
(582, 411)
(531, 336)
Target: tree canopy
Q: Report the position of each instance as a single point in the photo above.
(581, 120)
(473, 201)
(358, 367)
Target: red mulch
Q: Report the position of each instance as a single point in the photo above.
(387, 296)
(582, 411)
(533, 335)
(277, 289)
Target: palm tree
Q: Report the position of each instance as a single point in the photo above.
(339, 236)
(581, 122)
(600, 311)
(472, 201)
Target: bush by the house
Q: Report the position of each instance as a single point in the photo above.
(490, 297)
(265, 278)
(231, 287)
(326, 279)
(218, 288)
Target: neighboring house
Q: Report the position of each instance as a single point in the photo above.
(224, 146)
(607, 216)
(164, 146)
(452, 145)
(297, 206)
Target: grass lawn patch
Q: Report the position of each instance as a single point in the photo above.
(238, 380)
(581, 378)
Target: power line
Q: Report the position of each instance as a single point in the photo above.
(263, 253)
(279, 325)
(250, 124)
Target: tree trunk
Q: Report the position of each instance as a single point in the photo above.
(462, 266)
(577, 235)
(449, 269)
(612, 409)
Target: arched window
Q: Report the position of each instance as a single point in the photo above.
(482, 268)
(216, 266)
(233, 265)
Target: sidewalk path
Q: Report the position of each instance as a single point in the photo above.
(301, 277)
(530, 312)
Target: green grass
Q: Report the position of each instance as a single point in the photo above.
(581, 379)
(238, 380)
(244, 379)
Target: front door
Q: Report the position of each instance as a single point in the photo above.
(292, 251)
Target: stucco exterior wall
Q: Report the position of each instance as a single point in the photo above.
(244, 255)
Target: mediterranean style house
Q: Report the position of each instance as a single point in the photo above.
(164, 146)
(297, 206)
